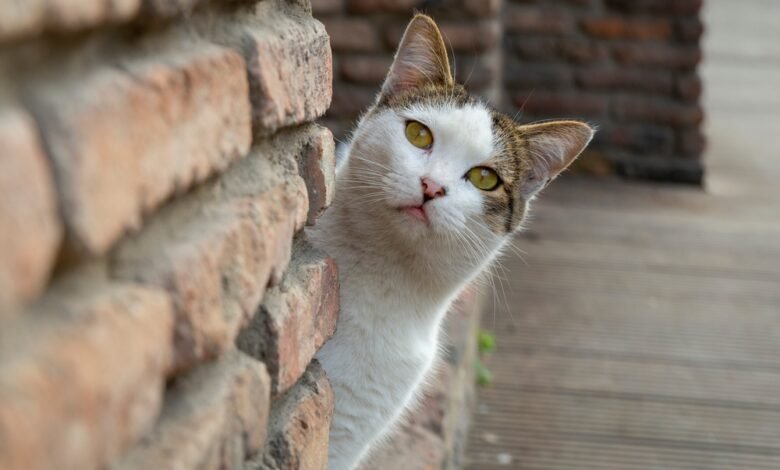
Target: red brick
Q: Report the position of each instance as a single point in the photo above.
(639, 108)
(689, 29)
(544, 76)
(123, 139)
(469, 37)
(688, 87)
(326, 7)
(350, 101)
(217, 249)
(617, 27)
(353, 35)
(480, 71)
(382, 6)
(536, 48)
(289, 63)
(83, 374)
(670, 7)
(673, 56)
(691, 143)
(296, 318)
(31, 17)
(483, 8)
(612, 79)
(365, 70)
(534, 19)
(299, 425)
(213, 418)
(31, 228)
(546, 104)
(643, 139)
(317, 166)
(582, 50)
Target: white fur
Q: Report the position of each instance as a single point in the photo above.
(397, 275)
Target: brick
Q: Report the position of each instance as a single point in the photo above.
(317, 166)
(32, 17)
(288, 62)
(353, 35)
(483, 8)
(672, 56)
(298, 426)
(688, 87)
(536, 48)
(217, 249)
(28, 212)
(639, 108)
(669, 7)
(691, 143)
(478, 72)
(544, 76)
(83, 374)
(365, 70)
(662, 169)
(214, 418)
(350, 101)
(469, 37)
(689, 29)
(582, 50)
(327, 7)
(534, 19)
(546, 104)
(167, 8)
(123, 139)
(620, 27)
(612, 79)
(645, 139)
(383, 6)
(296, 317)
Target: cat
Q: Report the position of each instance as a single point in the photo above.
(434, 185)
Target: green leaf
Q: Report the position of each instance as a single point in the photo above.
(484, 376)
(486, 341)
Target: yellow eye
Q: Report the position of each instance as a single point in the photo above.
(484, 178)
(419, 135)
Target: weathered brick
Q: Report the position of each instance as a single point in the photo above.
(613, 78)
(213, 418)
(288, 61)
(582, 50)
(82, 374)
(670, 7)
(534, 19)
(483, 8)
(123, 139)
(545, 104)
(296, 317)
(536, 48)
(317, 166)
(298, 426)
(650, 109)
(688, 87)
(689, 29)
(621, 27)
(544, 76)
(31, 228)
(353, 35)
(326, 7)
(217, 249)
(644, 139)
(691, 142)
(31, 17)
(366, 70)
(379, 6)
(661, 55)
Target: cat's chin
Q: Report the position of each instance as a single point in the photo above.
(416, 213)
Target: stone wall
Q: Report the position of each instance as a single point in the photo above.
(627, 66)
(157, 165)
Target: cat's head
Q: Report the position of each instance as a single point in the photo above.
(432, 162)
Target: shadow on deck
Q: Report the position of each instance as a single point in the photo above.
(642, 331)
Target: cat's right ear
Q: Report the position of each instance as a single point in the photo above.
(421, 59)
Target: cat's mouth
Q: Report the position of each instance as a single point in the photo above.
(416, 212)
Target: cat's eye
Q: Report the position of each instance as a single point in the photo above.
(484, 178)
(419, 135)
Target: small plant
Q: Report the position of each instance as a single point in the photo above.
(486, 344)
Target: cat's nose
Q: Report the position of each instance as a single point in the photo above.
(432, 189)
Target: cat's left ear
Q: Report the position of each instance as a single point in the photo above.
(552, 146)
(421, 59)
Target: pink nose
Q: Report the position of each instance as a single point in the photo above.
(432, 189)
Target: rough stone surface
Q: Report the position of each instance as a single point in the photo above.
(213, 418)
(82, 375)
(289, 65)
(30, 228)
(317, 165)
(298, 427)
(216, 250)
(296, 317)
(123, 139)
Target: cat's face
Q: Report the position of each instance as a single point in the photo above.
(434, 163)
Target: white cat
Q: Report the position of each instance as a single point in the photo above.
(434, 185)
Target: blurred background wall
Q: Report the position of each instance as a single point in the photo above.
(627, 66)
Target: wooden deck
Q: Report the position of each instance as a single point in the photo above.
(642, 329)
